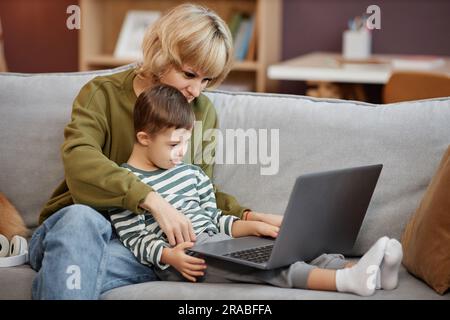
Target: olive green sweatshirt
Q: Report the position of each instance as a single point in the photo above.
(100, 137)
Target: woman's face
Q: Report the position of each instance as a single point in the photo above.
(189, 81)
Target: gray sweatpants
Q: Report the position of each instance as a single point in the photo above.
(221, 271)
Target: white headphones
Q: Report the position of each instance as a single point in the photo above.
(13, 253)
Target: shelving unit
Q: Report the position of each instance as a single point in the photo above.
(103, 19)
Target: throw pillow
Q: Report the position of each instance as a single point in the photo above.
(426, 238)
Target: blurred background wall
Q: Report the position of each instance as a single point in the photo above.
(36, 38)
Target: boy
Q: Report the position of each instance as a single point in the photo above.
(163, 122)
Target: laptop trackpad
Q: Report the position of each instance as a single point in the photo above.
(232, 245)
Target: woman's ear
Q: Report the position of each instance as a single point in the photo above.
(143, 138)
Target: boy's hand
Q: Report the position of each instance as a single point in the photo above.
(273, 219)
(241, 228)
(189, 267)
(263, 229)
(177, 227)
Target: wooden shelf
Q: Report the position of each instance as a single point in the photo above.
(110, 61)
(102, 21)
(106, 61)
(246, 66)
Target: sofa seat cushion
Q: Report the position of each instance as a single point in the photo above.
(409, 288)
(15, 282)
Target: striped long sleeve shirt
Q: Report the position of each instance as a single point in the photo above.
(190, 191)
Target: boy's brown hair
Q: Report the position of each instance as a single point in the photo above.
(162, 107)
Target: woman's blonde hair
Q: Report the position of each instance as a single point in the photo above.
(188, 34)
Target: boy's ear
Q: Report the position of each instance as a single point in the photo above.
(143, 138)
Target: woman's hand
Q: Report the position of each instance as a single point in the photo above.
(177, 227)
(273, 219)
(189, 267)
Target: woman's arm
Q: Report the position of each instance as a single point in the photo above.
(93, 179)
(177, 227)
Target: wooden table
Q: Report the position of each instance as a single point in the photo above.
(331, 67)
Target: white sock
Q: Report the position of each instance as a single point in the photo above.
(361, 278)
(393, 256)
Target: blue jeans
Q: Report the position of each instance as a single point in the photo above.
(78, 256)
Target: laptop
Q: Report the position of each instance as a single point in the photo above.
(324, 215)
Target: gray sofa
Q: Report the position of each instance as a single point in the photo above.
(314, 135)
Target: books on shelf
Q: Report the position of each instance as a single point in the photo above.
(242, 27)
(417, 62)
(251, 52)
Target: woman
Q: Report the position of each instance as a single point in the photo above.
(190, 49)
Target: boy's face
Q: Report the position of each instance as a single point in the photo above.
(167, 148)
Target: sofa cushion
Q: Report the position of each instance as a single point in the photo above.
(426, 239)
(34, 109)
(15, 282)
(315, 135)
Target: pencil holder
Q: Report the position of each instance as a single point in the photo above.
(356, 44)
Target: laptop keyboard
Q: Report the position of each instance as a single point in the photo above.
(257, 255)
